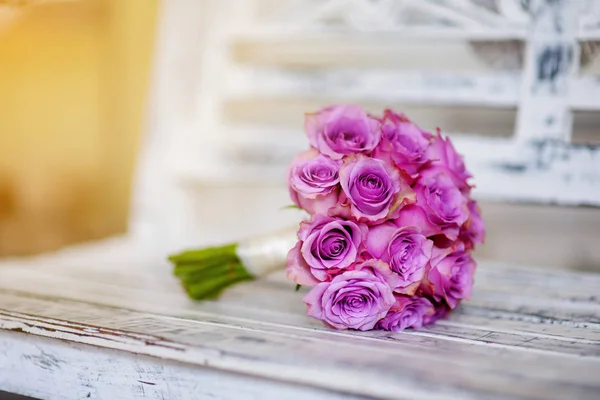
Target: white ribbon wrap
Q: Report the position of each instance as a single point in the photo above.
(262, 255)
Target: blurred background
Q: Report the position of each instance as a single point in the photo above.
(74, 78)
(74, 88)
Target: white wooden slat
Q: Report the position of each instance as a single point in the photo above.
(58, 370)
(504, 169)
(485, 301)
(450, 15)
(242, 350)
(551, 61)
(461, 341)
(242, 299)
(400, 33)
(494, 275)
(577, 286)
(584, 93)
(228, 343)
(458, 337)
(589, 34)
(436, 88)
(442, 88)
(465, 318)
(243, 307)
(483, 15)
(397, 34)
(544, 172)
(562, 286)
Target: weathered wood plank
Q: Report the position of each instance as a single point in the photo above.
(283, 36)
(545, 172)
(551, 62)
(228, 348)
(492, 295)
(565, 291)
(60, 370)
(548, 338)
(282, 354)
(266, 318)
(379, 85)
(125, 288)
(501, 89)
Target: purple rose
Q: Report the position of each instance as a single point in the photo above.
(407, 312)
(355, 299)
(373, 189)
(414, 215)
(329, 245)
(403, 142)
(441, 310)
(445, 158)
(473, 231)
(297, 270)
(313, 182)
(451, 276)
(442, 201)
(405, 249)
(340, 130)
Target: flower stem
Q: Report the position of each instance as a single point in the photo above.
(205, 273)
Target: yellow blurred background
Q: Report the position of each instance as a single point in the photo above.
(73, 81)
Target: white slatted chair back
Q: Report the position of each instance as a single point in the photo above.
(229, 73)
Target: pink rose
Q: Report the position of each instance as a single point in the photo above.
(374, 190)
(451, 276)
(407, 312)
(403, 142)
(441, 310)
(442, 202)
(445, 158)
(414, 215)
(313, 182)
(473, 231)
(340, 130)
(327, 246)
(355, 299)
(405, 249)
(296, 268)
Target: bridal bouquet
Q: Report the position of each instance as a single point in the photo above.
(391, 226)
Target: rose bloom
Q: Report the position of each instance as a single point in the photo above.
(405, 249)
(340, 130)
(373, 189)
(355, 299)
(414, 215)
(440, 310)
(407, 312)
(313, 182)
(445, 158)
(327, 245)
(473, 231)
(403, 142)
(451, 276)
(442, 201)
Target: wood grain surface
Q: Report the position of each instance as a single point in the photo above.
(112, 332)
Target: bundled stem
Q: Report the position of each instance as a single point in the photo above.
(205, 273)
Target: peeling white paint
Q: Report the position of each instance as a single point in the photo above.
(521, 330)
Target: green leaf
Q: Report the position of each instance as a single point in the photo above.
(291, 207)
(298, 287)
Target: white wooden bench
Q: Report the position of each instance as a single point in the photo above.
(113, 331)
(107, 320)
